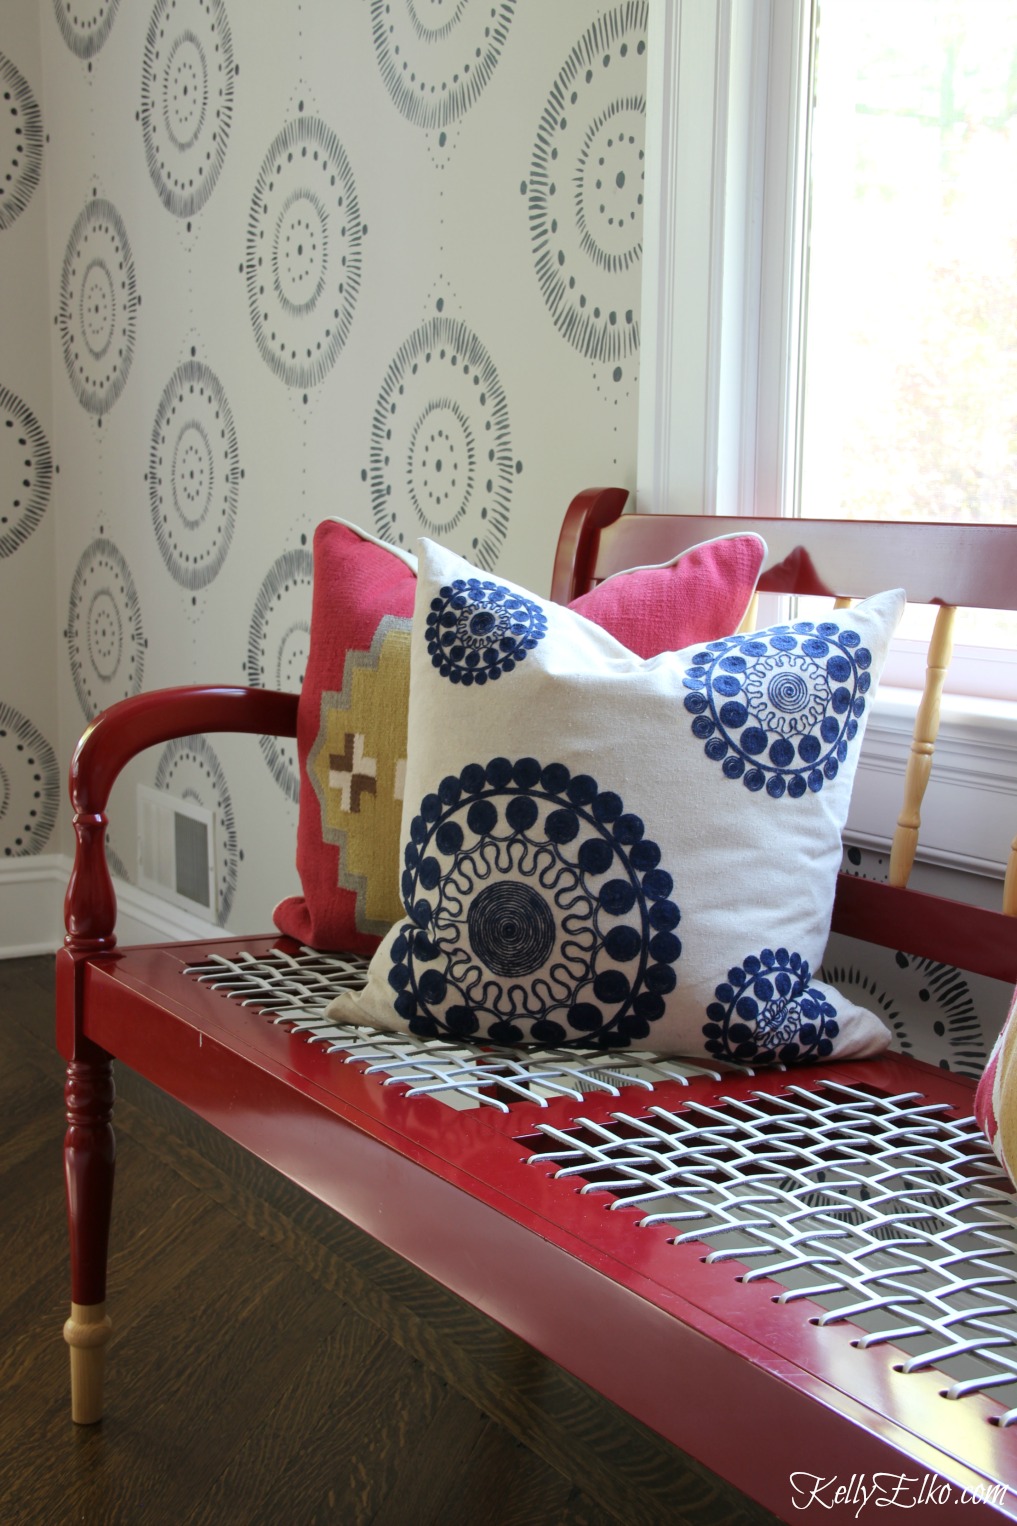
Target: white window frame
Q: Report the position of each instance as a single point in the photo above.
(721, 308)
(719, 427)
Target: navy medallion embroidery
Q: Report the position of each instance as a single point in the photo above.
(779, 710)
(478, 629)
(538, 911)
(767, 1012)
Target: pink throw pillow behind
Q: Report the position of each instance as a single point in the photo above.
(351, 720)
(699, 596)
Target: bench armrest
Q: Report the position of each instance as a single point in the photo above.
(110, 741)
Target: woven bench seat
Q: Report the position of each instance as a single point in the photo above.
(794, 1276)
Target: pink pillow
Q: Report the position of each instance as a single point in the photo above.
(699, 596)
(351, 720)
(996, 1097)
(351, 743)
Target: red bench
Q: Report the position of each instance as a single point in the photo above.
(807, 1273)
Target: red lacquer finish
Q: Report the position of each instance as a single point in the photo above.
(966, 565)
(116, 736)
(575, 557)
(641, 1320)
(927, 926)
(750, 1387)
(112, 739)
(89, 1158)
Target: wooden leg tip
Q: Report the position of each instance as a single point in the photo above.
(86, 1332)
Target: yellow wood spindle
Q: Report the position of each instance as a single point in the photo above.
(1010, 883)
(905, 839)
(842, 602)
(750, 617)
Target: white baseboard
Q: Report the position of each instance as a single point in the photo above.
(31, 904)
(31, 910)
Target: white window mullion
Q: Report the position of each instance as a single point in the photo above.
(771, 473)
(721, 291)
(687, 59)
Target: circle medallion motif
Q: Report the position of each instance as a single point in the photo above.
(26, 472)
(304, 250)
(21, 144)
(441, 449)
(436, 56)
(193, 475)
(586, 185)
(537, 911)
(29, 786)
(98, 307)
(105, 639)
(187, 77)
(779, 710)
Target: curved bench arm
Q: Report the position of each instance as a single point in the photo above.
(110, 741)
(590, 511)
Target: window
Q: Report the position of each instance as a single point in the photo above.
(839, 336)
(908, 396)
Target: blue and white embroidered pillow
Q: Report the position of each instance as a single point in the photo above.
(604, 851)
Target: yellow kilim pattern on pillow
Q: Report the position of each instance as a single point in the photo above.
(357, 767)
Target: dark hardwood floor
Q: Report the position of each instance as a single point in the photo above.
(270, 1363)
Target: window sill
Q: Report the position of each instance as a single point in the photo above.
(970, 810)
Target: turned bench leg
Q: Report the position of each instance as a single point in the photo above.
(89, 1154)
